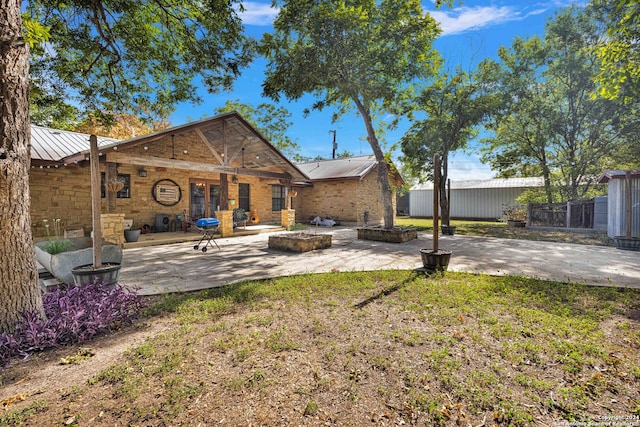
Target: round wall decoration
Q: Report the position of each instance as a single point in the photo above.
(166, 192)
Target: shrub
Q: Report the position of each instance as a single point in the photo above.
(73, 314)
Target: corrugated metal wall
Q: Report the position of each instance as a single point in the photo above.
(485, 203)
(617, 208)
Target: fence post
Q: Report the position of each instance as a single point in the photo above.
(568, 219)
(529, 213)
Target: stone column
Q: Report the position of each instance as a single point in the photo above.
(113, 228)
(288, 218)
(226, 223)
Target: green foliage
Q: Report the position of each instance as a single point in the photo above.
(56, 246)
(270, 120)
(455, 105)
(359, 55)
(550, 125)
(619, 53)
(136, 56)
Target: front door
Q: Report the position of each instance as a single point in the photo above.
(204, 198)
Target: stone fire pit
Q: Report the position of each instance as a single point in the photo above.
(299, 242)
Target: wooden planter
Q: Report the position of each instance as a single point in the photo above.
(87, 274)
(299, 242)
(435, 260)
(627, 243)
(448, 230)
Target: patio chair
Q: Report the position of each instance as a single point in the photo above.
(188, 224)
(240, 216)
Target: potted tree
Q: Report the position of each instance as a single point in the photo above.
(106, 273)
(435, 259)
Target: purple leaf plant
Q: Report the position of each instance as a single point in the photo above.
(73, 314)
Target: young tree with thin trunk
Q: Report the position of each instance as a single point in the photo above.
(454, 105)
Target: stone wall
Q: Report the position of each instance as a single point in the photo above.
(343, 200)
(65, 193)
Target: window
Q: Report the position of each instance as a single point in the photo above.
(243, 196)
(124, 193)
(278, 195)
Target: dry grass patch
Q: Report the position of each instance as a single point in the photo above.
(374, 348)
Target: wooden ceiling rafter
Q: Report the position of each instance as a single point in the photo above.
(161, 162)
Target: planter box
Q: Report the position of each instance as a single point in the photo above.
(516, 223)
(299, 242)
(81, 253)
(395, 235)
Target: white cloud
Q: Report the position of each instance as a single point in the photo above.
(258, 13)
(462, 19)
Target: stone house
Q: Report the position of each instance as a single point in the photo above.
(345, 189)
(204, 168)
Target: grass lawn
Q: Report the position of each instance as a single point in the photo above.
(374, 348)
(500, 230)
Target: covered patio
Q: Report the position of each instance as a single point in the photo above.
(207, 168)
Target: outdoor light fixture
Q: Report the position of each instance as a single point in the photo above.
(234, 179)
(142, 173)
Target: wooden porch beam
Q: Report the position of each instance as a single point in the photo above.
(161, 162)
(209, 145)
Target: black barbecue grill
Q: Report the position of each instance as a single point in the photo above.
(208, 227)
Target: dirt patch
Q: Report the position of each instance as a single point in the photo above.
(382, 357)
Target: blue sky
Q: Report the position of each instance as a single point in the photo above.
(471, 31)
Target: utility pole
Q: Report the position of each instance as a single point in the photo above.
(335, 144)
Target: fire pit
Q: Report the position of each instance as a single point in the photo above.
(299, 242)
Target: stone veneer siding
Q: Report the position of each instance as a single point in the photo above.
(345, 200)
(65, 193)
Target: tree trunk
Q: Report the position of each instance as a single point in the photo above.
(442, 184)
(386, 195)
(19, 290)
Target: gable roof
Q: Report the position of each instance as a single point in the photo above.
(342, 168)
(236, 145)
(618, 174)
(476, 184)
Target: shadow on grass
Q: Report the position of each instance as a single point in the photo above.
(388, 291)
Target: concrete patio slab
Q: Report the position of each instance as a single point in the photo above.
(180, 268)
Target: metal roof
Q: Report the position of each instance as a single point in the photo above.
(477, 184)
(618, 174)
(246, 147)
(342, 168)
(54, 144)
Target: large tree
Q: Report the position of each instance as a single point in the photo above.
(270, 120)
(115, 56)
(454, 105)
(619, 52)
(351, 54)
(552, 120)
(139, 57)
(18, 275)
